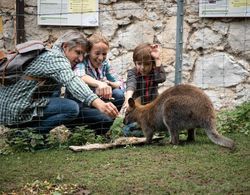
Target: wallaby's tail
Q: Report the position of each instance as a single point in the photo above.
(219, 139)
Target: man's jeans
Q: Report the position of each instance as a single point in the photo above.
(59, 111)
(73, 113)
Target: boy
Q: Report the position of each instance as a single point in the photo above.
(143, 79)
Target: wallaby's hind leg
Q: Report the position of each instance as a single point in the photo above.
(148, 133)
(191, 135)
(174, 134)
(174, 137)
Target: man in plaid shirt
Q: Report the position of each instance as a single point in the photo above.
(28, 102)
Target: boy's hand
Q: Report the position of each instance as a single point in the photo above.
(155, 53)
(124, 108)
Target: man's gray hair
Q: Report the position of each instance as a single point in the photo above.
(72, 38)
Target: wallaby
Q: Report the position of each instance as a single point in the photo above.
(180, 107)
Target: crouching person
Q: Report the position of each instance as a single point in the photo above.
(97, 72)
(29, 101)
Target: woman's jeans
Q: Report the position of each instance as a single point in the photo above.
(118, 96)
(95, 119)
(59, 111)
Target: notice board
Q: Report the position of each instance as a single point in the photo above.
(68, 12)
(224, 8)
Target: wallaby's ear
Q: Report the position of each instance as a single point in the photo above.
(131, 102)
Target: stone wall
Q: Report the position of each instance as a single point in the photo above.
(216, 51)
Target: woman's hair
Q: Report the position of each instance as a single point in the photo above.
(142, 53)
(72, 38)
(97, 38)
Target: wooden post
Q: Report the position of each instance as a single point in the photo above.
(20, 33)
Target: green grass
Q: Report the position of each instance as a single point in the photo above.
(198, 168)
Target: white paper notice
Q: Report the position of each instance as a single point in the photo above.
(224, 8)
(68, 12)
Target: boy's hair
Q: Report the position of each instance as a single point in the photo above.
(97, 38)
(142, 53)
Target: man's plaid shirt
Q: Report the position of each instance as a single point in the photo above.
(17, 102)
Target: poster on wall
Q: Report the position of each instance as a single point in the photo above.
(68, 12)
(224, 8)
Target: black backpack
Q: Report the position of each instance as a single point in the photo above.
(14, 63)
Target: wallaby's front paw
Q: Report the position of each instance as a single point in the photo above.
(148, 140)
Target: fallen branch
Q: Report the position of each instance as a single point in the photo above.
(122, 141)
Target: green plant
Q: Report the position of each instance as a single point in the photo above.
(82, 135)
(30, 140)
(116, 128)
(236, 120)
(25, 139)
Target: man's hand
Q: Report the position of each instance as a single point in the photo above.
(107, 108)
